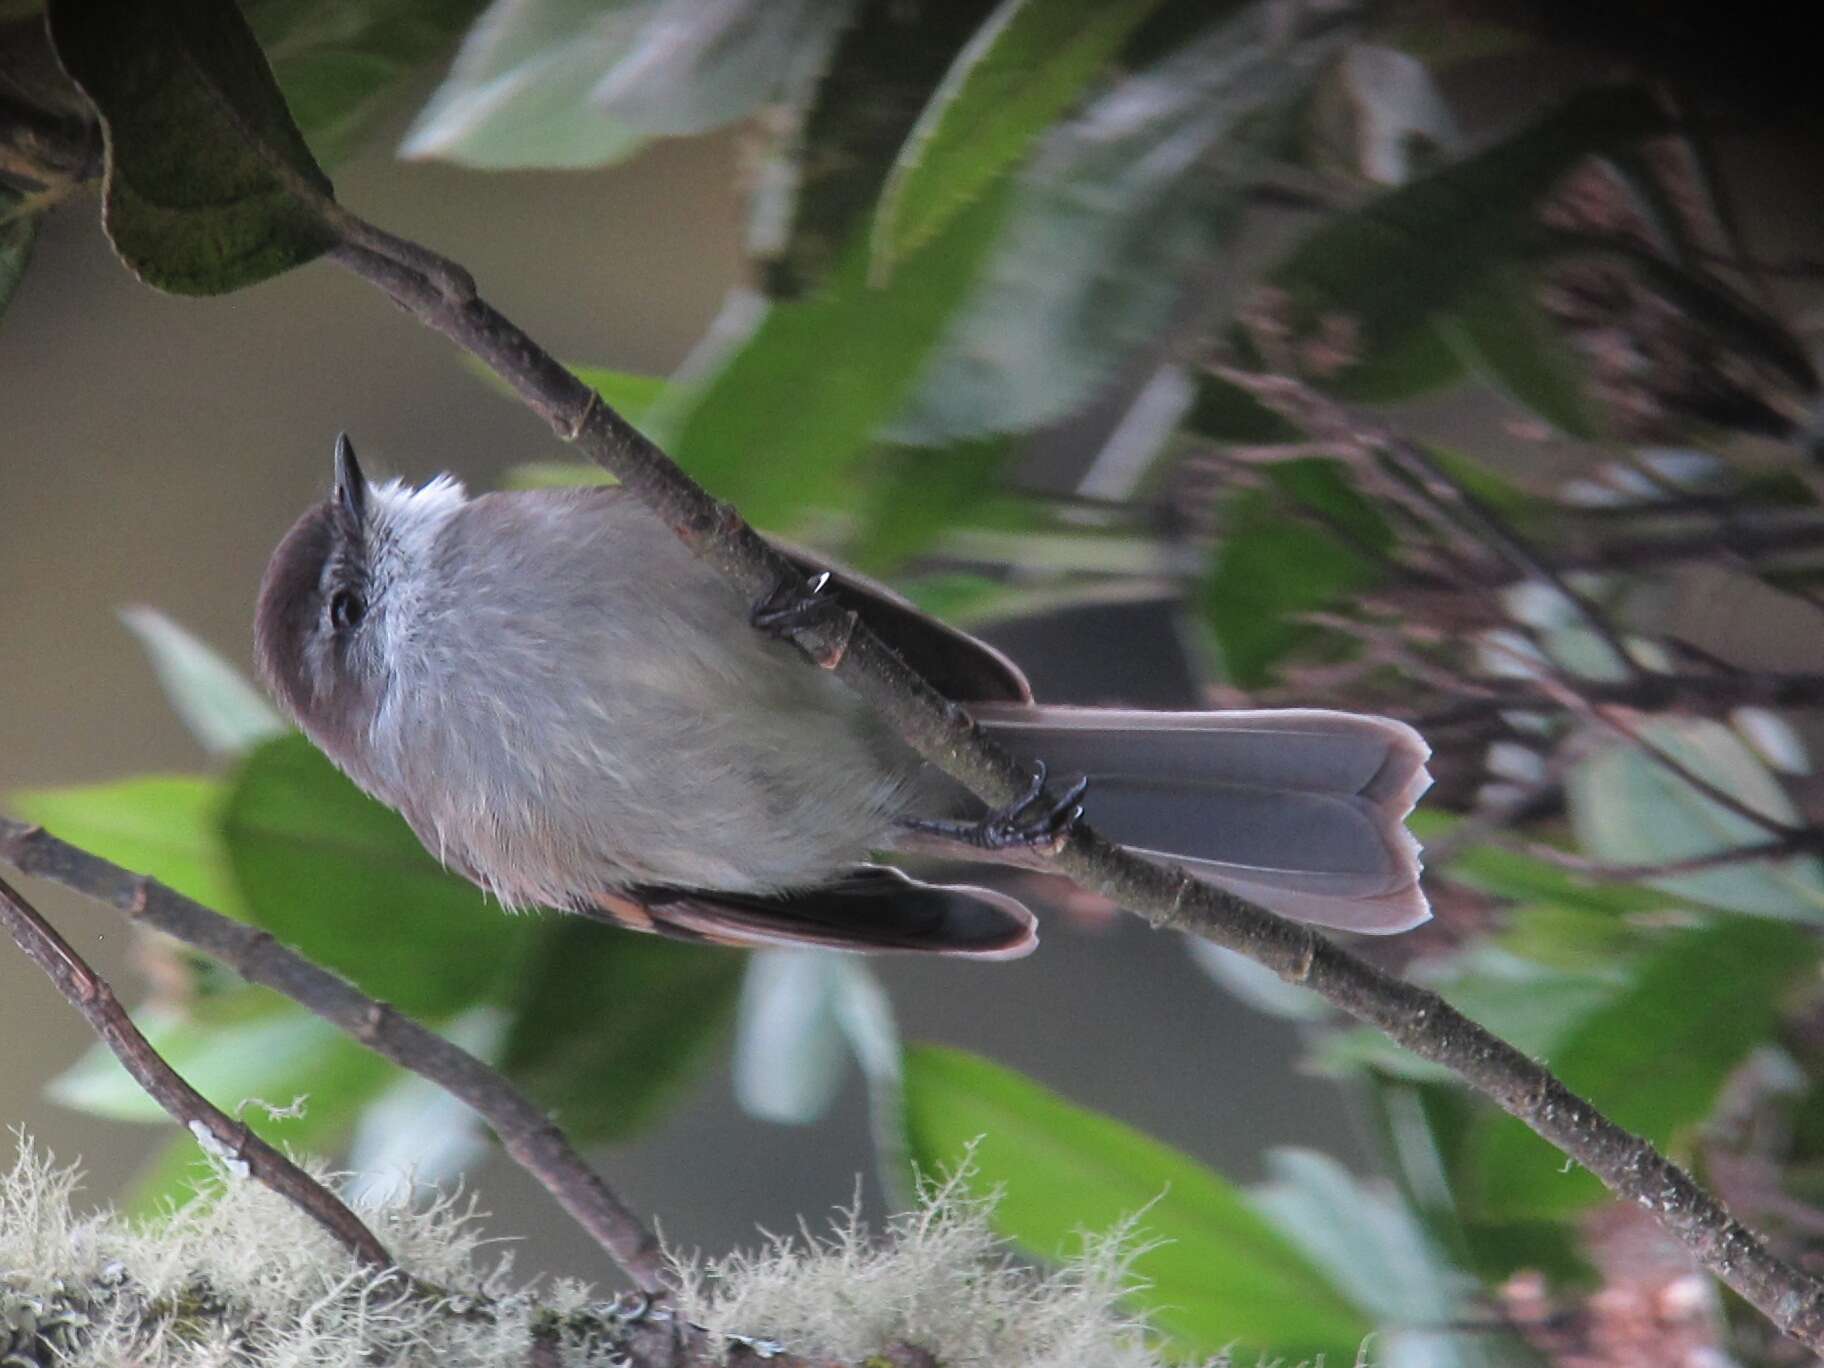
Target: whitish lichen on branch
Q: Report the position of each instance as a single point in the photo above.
(243, 1277)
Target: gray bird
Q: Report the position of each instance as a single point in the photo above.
(573, 711)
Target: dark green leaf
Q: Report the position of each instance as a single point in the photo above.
(1416, 361)
(608, 1025)
(885, 66)
(1224, 412)
(1302, 546)
(165, 826)
(919, 494)
(1031, 60)
(1393, 267)
(782, 424)
(1219, 1277)
(1652, 1058)
(1505, 333)
(338, 63)
(1112, 215)
(205, 164)
(330, 871)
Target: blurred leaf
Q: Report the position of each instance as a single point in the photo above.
(1378, 1254)
(195, 124)
(336, 63)
(414, 1134)
(1418, 361)
(1024, 67)
(633, 396)
(783, 422)
(1271, 564)
(1117, 210)
(254, 1044)
(921, 493)
(18, 231)
(555, 475)
(1220, 1276)
(336, 875)
(165, 826)
(789, 1051)
(1525, 879)
(696, 66)
(518, 93)
(608, 1025)
(1652, 1058)
(814, 197)
(1505, 333)
(1628, 809)
(1527, 1004)
(1498, 494)
(577, 83)
(222, 709)
(1255, 984)
(1393, 267)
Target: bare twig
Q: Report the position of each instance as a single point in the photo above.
(215, 1130)
(526, 1132)
(1326, 419)
(1801, 841)
(442, 296)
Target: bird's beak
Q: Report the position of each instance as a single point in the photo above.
(351, 485)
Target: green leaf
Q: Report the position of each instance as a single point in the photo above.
(1527, 1004)
(165, 826)
(1628, 809)
(257, 1045)
(919, 495)
(784, 421)
(337, 64)
(1652, 1059)
(1503, 331)
(331, 872)
(1023, 67)
(1376, 1250)
(576, 83)
(1272, 564)
(518, 93)
(1526, 879)
(820, 187)
(1395, 266)
(609, 1025)
(697, 67)
(18, 232)
(223, 711)
(204, 160)
(1112, 214)
(1220, 1275)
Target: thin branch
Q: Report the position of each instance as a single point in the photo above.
(1325, 419)
(215, 1130)
(442, 296)
(533, 1140)
(1801, 841)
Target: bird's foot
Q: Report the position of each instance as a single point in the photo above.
(1029, 822)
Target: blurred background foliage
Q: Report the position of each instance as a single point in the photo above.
(1416, 355)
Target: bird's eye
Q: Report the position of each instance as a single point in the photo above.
(346, 609)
